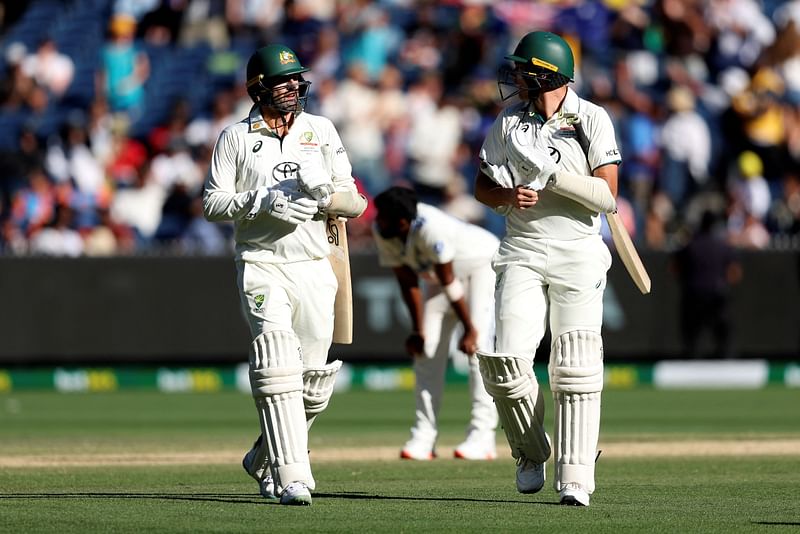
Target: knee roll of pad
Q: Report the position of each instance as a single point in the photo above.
(318, 383)
(276, 365)
(511, 382)
(576, 363)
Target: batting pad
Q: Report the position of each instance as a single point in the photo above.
(576, 378)
(510, 380)
(276, 378)
(318, 385)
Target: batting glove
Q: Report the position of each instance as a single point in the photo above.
(529, 160)
(316, 182)
(290, 208)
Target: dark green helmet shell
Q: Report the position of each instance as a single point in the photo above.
(272, 61)
(545, 50)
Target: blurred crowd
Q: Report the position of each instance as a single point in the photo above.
(109, 109)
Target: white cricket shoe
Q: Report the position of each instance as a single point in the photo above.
(417, 450)
(530, 476)
(266, 486)
(477, 448)
(296, 494)
(572, 494)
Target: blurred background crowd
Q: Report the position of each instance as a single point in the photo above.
(109, 109)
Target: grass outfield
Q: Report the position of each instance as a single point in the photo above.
(673, 461)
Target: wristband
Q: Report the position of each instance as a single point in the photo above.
(454, 290)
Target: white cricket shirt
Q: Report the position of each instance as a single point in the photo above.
(436, 237)
(555, 216)
(247, 156)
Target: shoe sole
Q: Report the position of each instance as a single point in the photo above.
(569, 500)
(304, 500)
(530, 491)
(404, 455)
(460, 455)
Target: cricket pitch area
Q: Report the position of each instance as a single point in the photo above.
(687, 460)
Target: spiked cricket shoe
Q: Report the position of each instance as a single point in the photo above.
(477, 449)
(296, 494)
(417, 450)
(573, 494)
(266, 486)
(530, 476)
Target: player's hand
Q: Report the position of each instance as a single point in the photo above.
(316, 181)
(469, 342)
(522, 197)
(291, 208)
(415, 344)
(529, 159)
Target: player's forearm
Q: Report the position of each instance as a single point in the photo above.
(221, 205)
(462, 312)
(348, 204)
(490, 193)
(413, 301)
(591, 191)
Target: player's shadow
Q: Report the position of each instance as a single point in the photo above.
(236, 498)
(229, 498)
(357, 495)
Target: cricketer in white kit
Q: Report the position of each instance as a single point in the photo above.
(549, 163)
(452, 260)
(269, 177)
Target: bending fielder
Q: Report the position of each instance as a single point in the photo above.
(551, 263)
(419, 241)
(269, 175)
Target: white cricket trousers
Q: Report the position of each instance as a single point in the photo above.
(295, 296)
(441, 324)
(564, 279)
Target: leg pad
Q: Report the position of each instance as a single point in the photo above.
(510, 380)
(576, 378)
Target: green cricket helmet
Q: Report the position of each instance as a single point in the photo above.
(543, 61)
(275, 79)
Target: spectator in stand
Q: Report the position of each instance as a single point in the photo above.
(686, 145)
(32, 207)
(50, 68)
(433, 141)
(124, 69)
(58, 238)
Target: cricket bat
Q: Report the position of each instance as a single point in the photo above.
(627, 253)
(339, 257)
(340, 261)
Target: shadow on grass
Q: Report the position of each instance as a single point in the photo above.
(235, 498)
(778, 523)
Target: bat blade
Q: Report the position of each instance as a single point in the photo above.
(340, 262)
(627, 253)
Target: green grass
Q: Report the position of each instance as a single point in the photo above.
(692, 494)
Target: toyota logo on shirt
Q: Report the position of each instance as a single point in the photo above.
(285, 171)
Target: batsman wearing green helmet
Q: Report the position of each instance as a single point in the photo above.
(278, 174)
(549, 164)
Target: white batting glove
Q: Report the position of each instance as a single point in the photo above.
(315, 181)
(529, 159)
(290, 208)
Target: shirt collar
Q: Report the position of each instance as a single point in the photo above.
(255, 119)
(570, 107)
